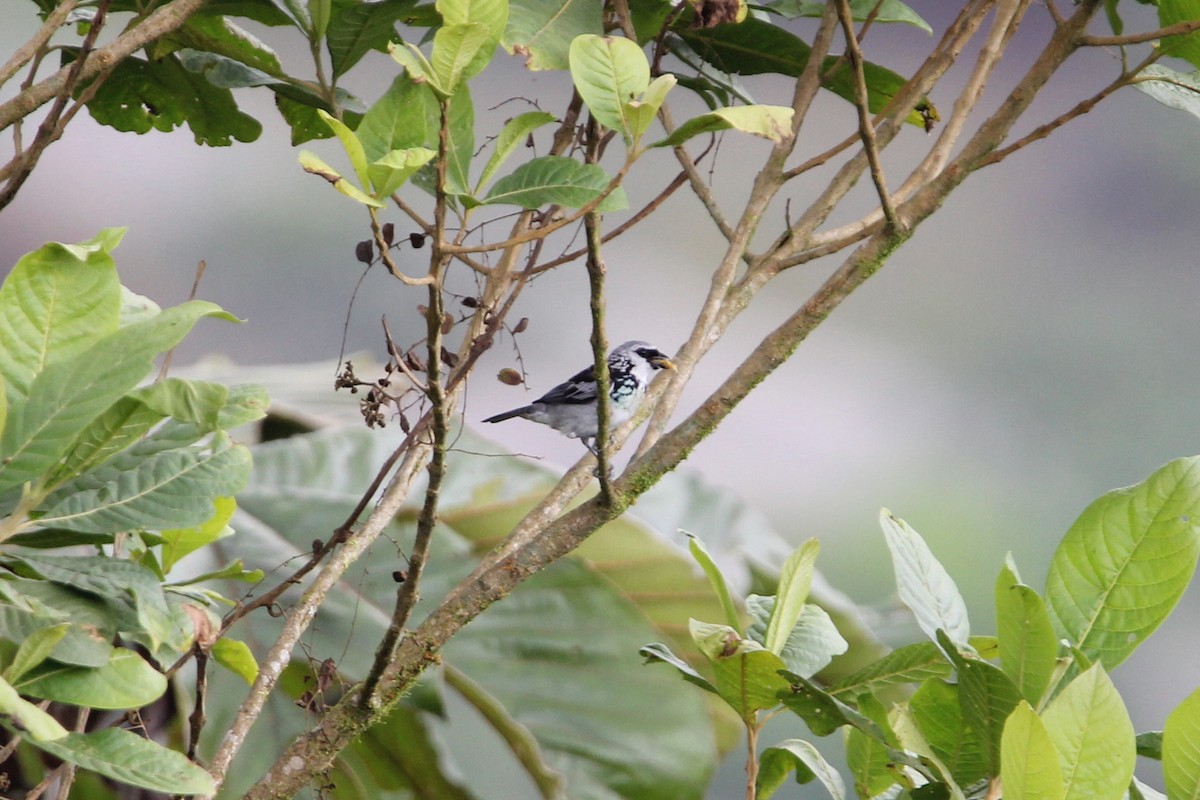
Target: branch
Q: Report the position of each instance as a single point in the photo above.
(1178, 29)
(27, 51)
(160, 23)
(865, 129)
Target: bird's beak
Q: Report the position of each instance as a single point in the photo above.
(662, 362)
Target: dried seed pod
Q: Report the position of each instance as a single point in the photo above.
(364, 251)
(509, 377)
(521, 325)
(417, 240)
(422, 310)
(450, 358)
(470, 302)
(447, 323)
(389, 232)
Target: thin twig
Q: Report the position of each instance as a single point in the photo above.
(596, 271)
(23, 54)
(865, 128)
(1177, 29)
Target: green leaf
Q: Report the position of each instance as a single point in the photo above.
(313, 164)
(418, 67)
(886, 11)
(1173, 89)
(491, 14)
(118, 427)
(769, 122)
(799, 756)
(810, 645)
(127, 681)
(1181, 749)
(755, 47)
(54, 304)
(461, 122)
(162, 95)
(24, 718)
(216, 33)
(460, 52)
(542, 30)
(660, 652)
(68, 395)
(823, 712)
(234, 571)
(514, 133)
(1029, 764)
(937, 712)
(923, 583)
(393, 170)
(1149, 745)
(1126, 561)
(608, 72)
(404, 117)
(1028, 644)
(913, 663)
(795, 580)
(34, 649)
(126, 757)
(355, 29)
(351, 144)
(1187, 46)
(179, 542)
(747, 674)
(166, 490)
(987, 696)
(869, 762)
(200, 402)
(1093, 736)
(319, 12)
(716, 580)
(236, 657)
(82, 645)
(132, 589)
(641, 113)
(555, 180)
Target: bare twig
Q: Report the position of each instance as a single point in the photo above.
(866, 129)
(23, 54)
(1177, 29)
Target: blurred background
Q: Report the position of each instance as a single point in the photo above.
(1032, 347)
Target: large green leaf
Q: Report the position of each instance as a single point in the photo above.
(1170, 87)
(885, 11)
(923, 583)
(769, 122)
(609, 72)
(1028, 645)
(54, 304)
(1093, 736)
(171, 489)
(555, 180)
(217, 33)
(795, 581)
(937, 712)
(514, 134)
(81, 645)
(755, 47)
(800, 757)
(746, 673)
(1126, 561)
(912, 663)
(1181, 749)
(1186, 47)
(126, 681)
(26, 717)
(1028, 761)
(987, 696)
(542, 30)
(162, 94)
(357, 28)
(126, 757)
(405, 116)
(810, 644)
(66, 396)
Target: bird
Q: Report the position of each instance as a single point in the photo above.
(570, 407)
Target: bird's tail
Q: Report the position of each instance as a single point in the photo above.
(516, 412)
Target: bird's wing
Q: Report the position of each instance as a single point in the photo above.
(579, 388)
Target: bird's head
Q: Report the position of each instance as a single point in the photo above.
(641, 354)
